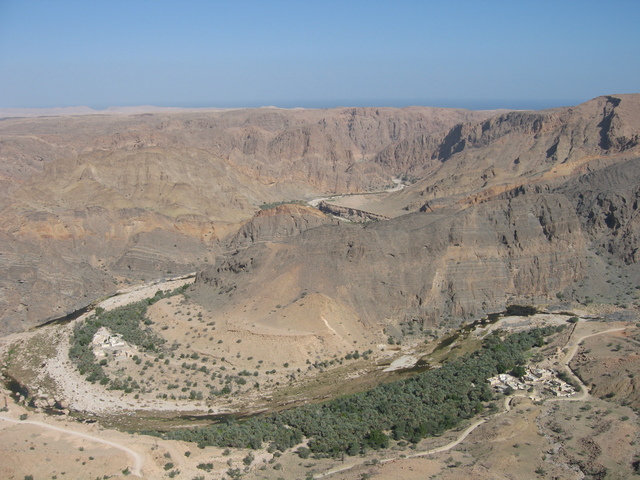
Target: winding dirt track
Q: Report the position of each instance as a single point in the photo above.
(584, 393)
(575, 344)
(138, 460)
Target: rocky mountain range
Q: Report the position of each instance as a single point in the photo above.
(502, 207)
(92, 202)
(524, 207)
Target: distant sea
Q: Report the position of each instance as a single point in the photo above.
(466, 104)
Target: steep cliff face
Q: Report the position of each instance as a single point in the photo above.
(420, 266)
(516, 148)
(327, 149)
(608, 203)
(314, 147)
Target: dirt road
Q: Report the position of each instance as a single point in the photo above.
(138, 460)
(575, 344)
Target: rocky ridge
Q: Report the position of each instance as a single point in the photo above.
(516, 148)
(277, 223)
(418, 268)
(540, 230)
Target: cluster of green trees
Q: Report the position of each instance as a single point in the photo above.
(424, 405)
(129, 321)
(267, 206)
(520, 310)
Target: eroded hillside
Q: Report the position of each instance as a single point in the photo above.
(519, 206)
(478, 160)
(418, 268)
(89, 203)
(549, 227)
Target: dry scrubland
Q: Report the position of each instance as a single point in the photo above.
(555, 438)
(204, 366)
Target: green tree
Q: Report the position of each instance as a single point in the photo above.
(377, 439)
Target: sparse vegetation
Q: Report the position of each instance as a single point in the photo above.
(426, 404)
(267, 206)
(127, 321)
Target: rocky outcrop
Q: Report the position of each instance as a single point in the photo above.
(349, 213)
(277, 223)
(516, 148)
(421, 266)
(608, 204)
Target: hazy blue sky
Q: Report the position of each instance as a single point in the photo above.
(476, 54)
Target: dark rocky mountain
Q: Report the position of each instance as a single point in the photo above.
(526, 207)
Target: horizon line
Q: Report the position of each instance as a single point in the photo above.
(496, 104)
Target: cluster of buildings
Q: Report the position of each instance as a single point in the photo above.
(104, 342)
(542, 380)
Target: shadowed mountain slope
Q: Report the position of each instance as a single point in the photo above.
(485, 158)
(560, 222)
(419, 267)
